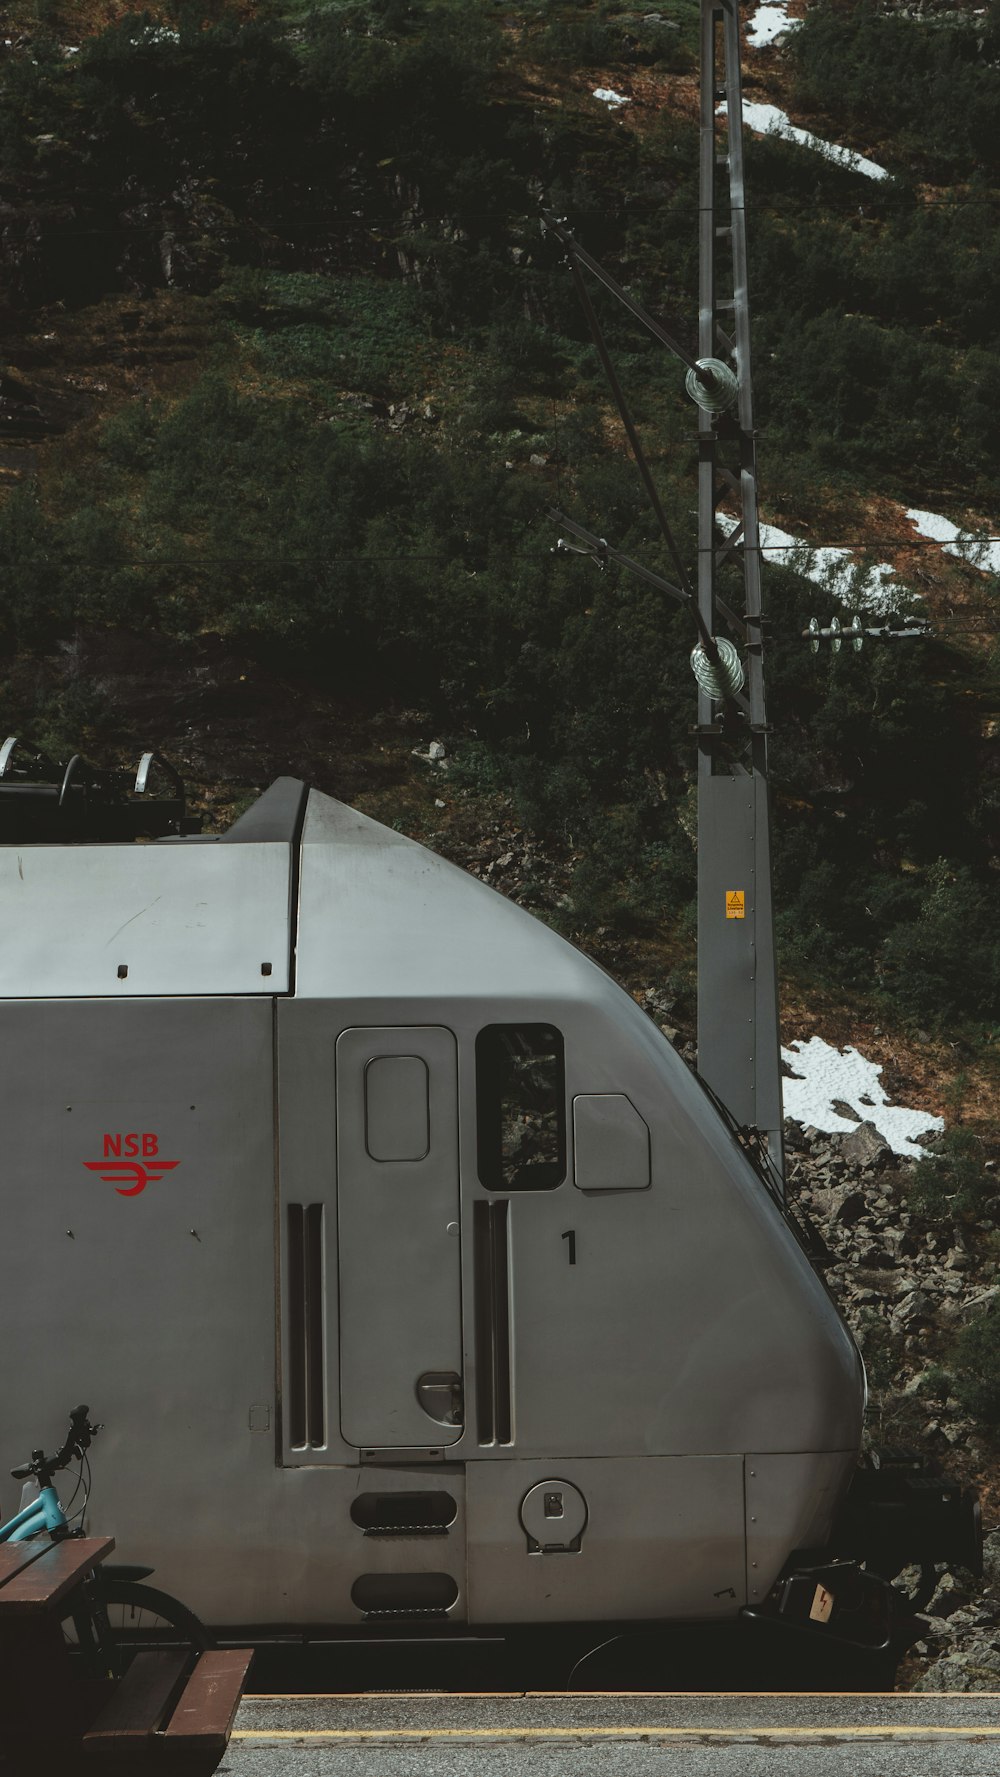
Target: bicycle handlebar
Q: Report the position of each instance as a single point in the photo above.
(78, 1441)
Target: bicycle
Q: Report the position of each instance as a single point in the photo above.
(110, 1616)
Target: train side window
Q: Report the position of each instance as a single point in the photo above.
(521, 1101)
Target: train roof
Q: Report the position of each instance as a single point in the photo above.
(302, 894)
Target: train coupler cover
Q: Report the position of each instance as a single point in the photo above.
(837, 1601)
(901, 1511)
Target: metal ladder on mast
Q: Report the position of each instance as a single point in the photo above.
(738, 1044)
(738, 1041)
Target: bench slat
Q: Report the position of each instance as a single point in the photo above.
(142, 1699)
(203, 1717)
(44, 1583)
(15, 1556)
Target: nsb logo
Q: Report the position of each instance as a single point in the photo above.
(123, 1167)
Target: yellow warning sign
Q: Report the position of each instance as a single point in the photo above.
(821, 1608)
(736, 904)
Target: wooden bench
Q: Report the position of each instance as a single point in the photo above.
(36, 1576)
(165, 1718)
(45, 1704)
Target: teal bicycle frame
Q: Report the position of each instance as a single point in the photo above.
(151, 1618)
(43, 1514)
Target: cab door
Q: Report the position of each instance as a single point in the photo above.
(398, 1210)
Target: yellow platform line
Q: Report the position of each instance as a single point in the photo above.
(570, 1696)
(365, 1735)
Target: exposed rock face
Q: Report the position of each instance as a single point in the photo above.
(907, 1286)
(865, 1147)
(960, 1650)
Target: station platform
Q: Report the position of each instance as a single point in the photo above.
(616, 1734)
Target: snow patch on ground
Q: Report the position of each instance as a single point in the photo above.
(768, 120)
(609, 96)
(768, 24)
(822, 1074)
(875, 588)
(146, 33)
(983, 554)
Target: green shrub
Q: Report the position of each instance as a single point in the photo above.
(950, 1184)
(977, 1366)
(638, 870)
(358, 333)
(933, 85)
(588, 39)
(880, 1349)
(945, 962)
(614, 35)
(128, 438)
(893, 403)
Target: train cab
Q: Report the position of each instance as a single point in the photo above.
(413, 1274)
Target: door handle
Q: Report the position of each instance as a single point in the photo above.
(440, 1395)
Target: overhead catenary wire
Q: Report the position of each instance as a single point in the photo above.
(439, 555)
(205, 564)
(850, 205)
(580, 256)
(629, 424)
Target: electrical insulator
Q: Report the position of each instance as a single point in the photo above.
(716, 683)
(716, 389)
(836, 634)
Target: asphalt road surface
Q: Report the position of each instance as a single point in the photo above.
(616, 1735)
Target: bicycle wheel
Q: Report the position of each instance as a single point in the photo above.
(139, 1619)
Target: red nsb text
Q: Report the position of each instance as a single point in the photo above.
(130, 1145)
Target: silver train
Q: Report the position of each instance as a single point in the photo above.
(415, 1277)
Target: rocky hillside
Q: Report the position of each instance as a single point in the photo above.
(914, 1275)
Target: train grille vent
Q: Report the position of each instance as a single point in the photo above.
(404, 1514)
(307, 1345)
(406, 1530)
(491, 1269)
(404, 1594)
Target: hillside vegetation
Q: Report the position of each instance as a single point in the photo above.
(309, 374)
